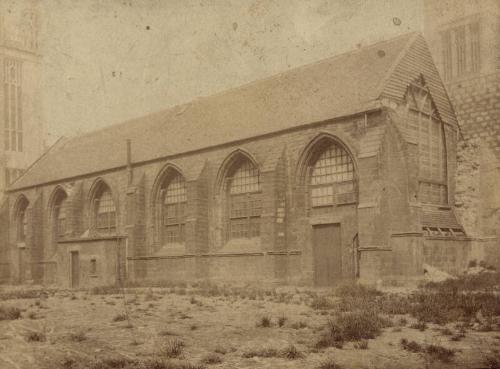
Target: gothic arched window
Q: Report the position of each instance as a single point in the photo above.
(243, 200)
(332, 176)
(173, 209)
(104, 211)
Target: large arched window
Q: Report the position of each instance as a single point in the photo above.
(173, 208)
(104, 210)
(59, 215)
(427, 130)
(243, 200)
(21, 220)
(331, 176)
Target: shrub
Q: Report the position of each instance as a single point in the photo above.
(212, 359)
(9, 313)
(173, 348)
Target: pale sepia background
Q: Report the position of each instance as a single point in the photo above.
(107, 61)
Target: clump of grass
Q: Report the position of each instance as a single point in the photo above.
(352, 326)
(440, 353)
(356, 290)
(329, 364)
(264, 322)
(31, 315)
(291, 353)
(492, 361)
(322, 303)
(173, 348)
(78, 336)
(212, 358)
(166, 332)
(9, 313)
(361, 345)
(435, 352)
(298, 325)
(119, 318)
(36, 337)
(263, 352)
(411, 346)
(281, 321)
(421, 326)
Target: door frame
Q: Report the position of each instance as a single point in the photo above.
(325, 222)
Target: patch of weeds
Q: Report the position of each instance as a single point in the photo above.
(264, 322)
(211, 359)
(291, 353)
(329, 364)
(457, 337)
(119, 318)
(403, 322)
(356, 290)
(193, 327)
(166, 332)
(31, 315)
(173, 348)
(9, 313)
(361, 345)
(36, 337)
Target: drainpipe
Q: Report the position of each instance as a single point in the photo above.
(130, 172)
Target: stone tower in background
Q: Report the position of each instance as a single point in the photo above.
(464, 36)
(22, 130)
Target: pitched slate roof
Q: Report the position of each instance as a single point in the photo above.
(342, 85)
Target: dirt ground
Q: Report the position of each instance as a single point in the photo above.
(139, 323)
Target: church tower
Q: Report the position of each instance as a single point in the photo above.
(22, 130)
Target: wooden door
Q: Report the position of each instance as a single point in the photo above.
(327, 252)
(75, 269)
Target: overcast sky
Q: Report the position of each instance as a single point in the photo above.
(109, 61)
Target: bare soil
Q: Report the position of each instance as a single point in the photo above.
(140, 324)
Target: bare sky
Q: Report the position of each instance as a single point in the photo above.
(109, 61)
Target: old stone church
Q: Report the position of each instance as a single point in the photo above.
(342, 169)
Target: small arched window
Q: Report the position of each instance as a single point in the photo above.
(173, 205)
(60, 216)
(332, 179)
(105, 211)
(243, 200)
(22, 220)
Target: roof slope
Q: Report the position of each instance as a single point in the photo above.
(331, 88)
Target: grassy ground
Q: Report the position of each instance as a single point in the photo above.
(453, 324)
